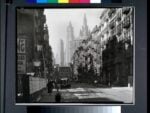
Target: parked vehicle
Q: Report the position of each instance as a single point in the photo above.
(64, 77)
(64, 83)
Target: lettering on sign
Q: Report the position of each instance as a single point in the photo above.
(21, 47)
(21, 64)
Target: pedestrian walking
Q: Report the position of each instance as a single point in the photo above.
(58, 96)
(50, 87)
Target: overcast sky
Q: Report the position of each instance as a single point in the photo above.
(58, 20)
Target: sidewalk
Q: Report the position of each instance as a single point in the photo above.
(113, 94)
(45, 97)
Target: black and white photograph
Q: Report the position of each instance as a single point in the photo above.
(75, 55)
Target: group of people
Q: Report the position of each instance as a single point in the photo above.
(50, 86)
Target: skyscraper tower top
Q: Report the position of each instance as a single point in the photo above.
(85, 21)
(84, 32)
(70, 32)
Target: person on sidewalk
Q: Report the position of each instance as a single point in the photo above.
(58, 96)
(50, 87)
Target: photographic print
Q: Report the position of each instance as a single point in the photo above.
(75, 55)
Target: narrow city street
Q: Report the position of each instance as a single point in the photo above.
(89, 60)
(84, 93)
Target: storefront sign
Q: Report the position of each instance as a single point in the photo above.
(21, 56)
(21, 47)
(21, 64)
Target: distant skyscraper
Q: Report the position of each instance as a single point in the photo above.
(61, 52)
(57, 59)
(70, 32)
(69, 47)
(71, 43)
(84, 32)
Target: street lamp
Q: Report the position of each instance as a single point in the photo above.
(37, 63)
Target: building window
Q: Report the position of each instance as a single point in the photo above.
(126, 23)
(119, 30)
(127, 35)
(126, 10)
(111, 12)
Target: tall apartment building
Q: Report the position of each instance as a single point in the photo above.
(116, 37)
(33, 49)
(116, 21)
(30, 27)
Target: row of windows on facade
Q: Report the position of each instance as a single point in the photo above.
(109, 15)
(115, 21)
